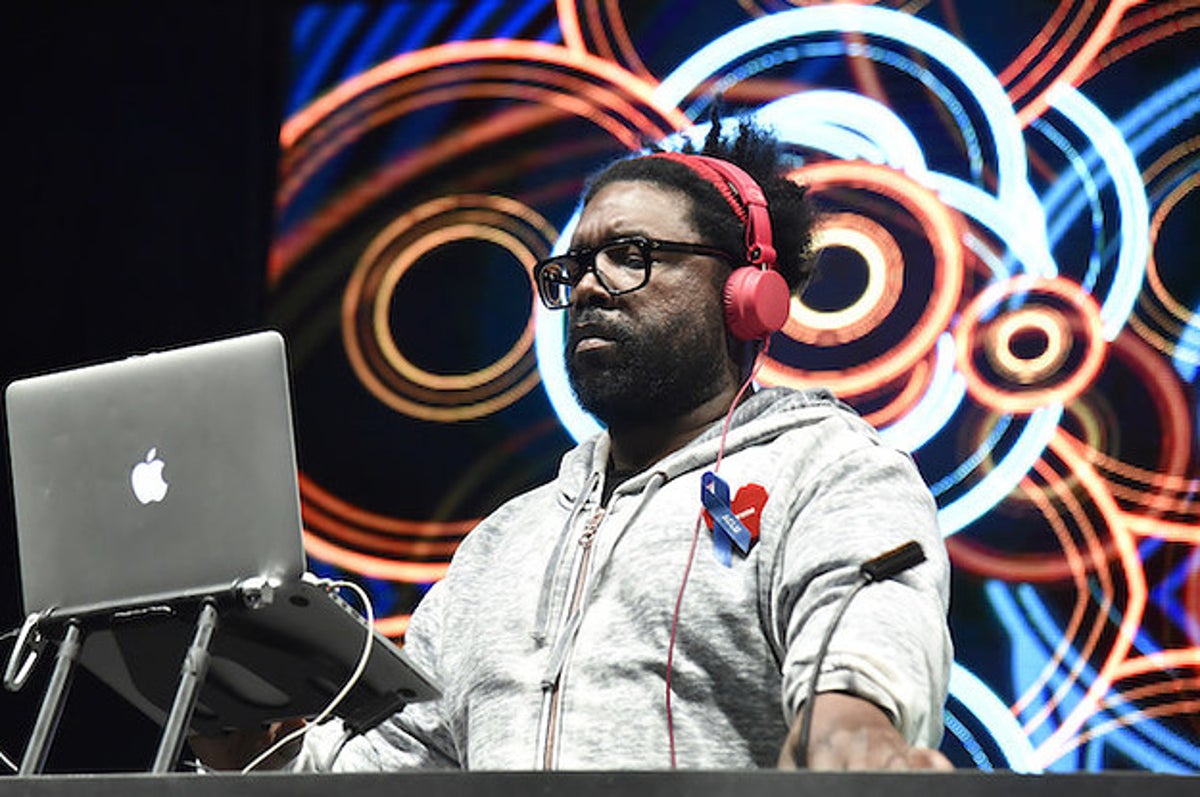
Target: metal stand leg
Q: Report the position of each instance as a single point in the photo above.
(191, 676)
(52, 704)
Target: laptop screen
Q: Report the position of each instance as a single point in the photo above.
(155, 477)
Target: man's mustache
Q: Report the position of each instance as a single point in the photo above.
(595, 323)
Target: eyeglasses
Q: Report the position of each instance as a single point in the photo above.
(621, 265)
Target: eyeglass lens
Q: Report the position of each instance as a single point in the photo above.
(620, 267)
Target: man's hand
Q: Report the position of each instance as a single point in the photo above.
(851, 733)
(235, 749)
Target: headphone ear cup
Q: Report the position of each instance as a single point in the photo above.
(756, 302)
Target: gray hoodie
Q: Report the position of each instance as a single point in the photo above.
(550, 632)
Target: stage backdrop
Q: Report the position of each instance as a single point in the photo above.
(1008, 290)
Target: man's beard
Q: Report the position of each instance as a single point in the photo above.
(651, 375)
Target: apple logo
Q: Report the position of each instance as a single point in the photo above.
(147, 480)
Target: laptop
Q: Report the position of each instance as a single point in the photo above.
(147, 486)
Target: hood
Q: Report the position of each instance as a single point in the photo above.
(762, 417)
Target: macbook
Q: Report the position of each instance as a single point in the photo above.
(146, 486)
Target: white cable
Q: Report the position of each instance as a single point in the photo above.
(4, 759)
(342, 741)
(369, 610)
(8, 762)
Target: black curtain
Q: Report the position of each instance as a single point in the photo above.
(140, 142)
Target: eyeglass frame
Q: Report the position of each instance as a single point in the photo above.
(586, 256)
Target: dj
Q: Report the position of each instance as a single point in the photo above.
(612, 619)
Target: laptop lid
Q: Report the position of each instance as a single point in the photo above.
(157, 477)
(147, 484)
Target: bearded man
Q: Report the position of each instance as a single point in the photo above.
(617, 617)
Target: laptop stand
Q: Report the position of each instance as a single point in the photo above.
(191, 678)
(52, 703)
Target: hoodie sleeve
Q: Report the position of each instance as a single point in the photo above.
(418, 737)
(853, 502)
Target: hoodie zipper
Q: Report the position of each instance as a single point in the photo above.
(550, 691)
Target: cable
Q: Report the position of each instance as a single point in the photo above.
(671, 645)
(8, 762)
(29, 642)
(758, 364)
(887, 565)
(4, 759)
(801, 753)
(346, 736)
(369, 610)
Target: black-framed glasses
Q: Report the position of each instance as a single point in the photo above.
(621, 265)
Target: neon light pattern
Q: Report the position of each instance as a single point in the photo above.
(1024, 321)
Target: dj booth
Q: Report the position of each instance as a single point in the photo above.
(611, 784)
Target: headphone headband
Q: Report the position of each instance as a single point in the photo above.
(744, 196)
(755, 296)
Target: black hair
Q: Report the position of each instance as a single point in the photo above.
(761, 156)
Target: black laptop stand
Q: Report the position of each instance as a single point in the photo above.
(191, 678)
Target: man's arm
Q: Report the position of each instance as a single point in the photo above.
(418, 737)
(849, 732)
(234, 750)
(885, 676)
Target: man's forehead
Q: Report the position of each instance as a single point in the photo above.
(635, 207)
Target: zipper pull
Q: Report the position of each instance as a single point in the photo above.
(590, 528)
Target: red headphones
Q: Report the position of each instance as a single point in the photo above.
(756, 296)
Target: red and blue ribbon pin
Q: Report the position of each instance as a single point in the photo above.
(727, 529)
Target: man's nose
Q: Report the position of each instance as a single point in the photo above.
(589, 291)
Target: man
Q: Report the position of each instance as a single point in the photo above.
(603, 620)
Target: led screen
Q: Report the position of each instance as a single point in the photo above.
(1007, 290)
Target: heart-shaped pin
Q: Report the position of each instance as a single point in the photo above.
(740, 519)
(748, 505)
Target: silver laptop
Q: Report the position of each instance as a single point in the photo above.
(146, 485)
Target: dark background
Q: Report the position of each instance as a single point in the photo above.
(141, 148)
(140, 143)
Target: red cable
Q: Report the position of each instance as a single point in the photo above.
(762, 354)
